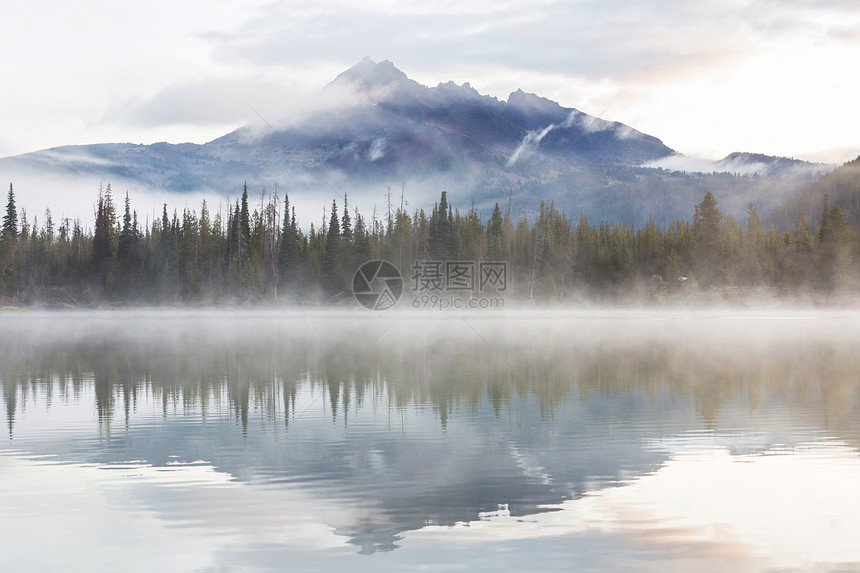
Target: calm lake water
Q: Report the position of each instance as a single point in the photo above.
(597, 440)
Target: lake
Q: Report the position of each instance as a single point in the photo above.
(312, 440)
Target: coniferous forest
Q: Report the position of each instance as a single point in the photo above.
(260, 254)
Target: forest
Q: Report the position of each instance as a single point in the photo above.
(262, 255)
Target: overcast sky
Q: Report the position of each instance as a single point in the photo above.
(706, 76)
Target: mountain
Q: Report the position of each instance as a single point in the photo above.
(842, 188)
(767, 165)
(377, 128)
(403, 129)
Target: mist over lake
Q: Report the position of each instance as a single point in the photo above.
(330, 439)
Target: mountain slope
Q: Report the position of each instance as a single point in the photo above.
(842, 187)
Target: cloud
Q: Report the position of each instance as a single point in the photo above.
(686, 163)
(645, 40)
(377, 149)
(584, 122)
(80, 78)
(530, 141)
(207, 101)
(740, 166)
(259, 105)
(834, 156)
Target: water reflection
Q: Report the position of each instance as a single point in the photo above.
(393, 424)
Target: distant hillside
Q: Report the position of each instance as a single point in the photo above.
(769, 166)
(842, 186)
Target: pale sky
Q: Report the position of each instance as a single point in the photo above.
(708, 77)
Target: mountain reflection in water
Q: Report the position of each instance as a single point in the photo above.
(411, 422)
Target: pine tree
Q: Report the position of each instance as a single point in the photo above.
(706, 230)
(127, 252)
(346, 257)
(125, 244)
(362, 241)
(495, 245)
(233, 233)
(102, 254)
(452, 242)
(833, 248)
(585, 241)
(244, 237)
(330, 272)
(346, 222)
(439, 229)
(823, 226)
(10, 219)
(206, 248)
(49, 227)
(753, 249)
(167, 269)
(288, 255)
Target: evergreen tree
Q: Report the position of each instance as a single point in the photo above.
(452, 242)
(243, 239)
(346, 256)
(10, 219)
(440, 230)
(206, 248)
(471, 235)
(495, 244)
(233, 233)
(102, 253)
(362, 241)
(823, 222)
(127, 253)
(833, 249)
(346, 223)
(167, 270)
(331, 254)
(706, 230)
(752, 249)
(110, 214)
(125, 245)
(289, 258)
(585, 248)
(49, 227)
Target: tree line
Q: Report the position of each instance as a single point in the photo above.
(262, 254)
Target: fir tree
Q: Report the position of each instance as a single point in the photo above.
(127, 256)
(823, 223)
(10, 219)
(362, 240)
(243, 240)
(452, 240)
(708, 250)
(346, 222)
(495, 247)
(441, 224)
(288, 255)
(49, 227)
(125, 244)
(331, 253)
(102, 253)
